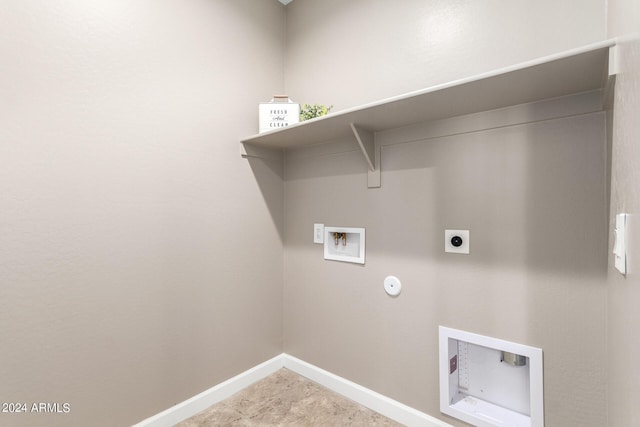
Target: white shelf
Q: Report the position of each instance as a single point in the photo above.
(575, 71)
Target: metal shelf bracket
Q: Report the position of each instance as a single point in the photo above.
(371, 152)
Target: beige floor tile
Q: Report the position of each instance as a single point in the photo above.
(287, 399)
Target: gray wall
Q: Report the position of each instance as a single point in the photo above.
(351, 52)
(624, 292)
(128, 219)
(533, 196)
(140, 261)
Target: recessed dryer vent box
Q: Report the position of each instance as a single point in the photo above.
(490, 382)
(344, 244)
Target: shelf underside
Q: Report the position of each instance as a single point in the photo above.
(565, 74)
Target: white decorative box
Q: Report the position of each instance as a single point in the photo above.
(278, 113)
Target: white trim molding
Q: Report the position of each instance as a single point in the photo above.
(362, 395)
(375, 401)
(218, 393)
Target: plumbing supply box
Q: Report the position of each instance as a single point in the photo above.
(344, 244)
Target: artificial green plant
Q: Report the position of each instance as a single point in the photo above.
(312, 111)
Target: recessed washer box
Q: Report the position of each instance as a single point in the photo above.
(344, 244)
(490, 382)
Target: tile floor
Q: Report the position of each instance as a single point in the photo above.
(287, 399)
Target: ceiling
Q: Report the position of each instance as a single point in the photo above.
(285, 2)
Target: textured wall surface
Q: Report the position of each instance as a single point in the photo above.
(141, 257)
(533, 196)
(349, 53)
(624, 292)
(127, 217)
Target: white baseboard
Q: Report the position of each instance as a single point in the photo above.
(368, 398)
(375, 401)
(202, 401)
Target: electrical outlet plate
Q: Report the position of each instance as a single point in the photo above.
(448, 246)
(318, 233)
(620, 243)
